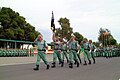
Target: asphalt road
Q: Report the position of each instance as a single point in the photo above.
(104, 69)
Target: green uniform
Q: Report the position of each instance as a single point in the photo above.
(57, 53)
(86, 52)
(41, 46)
(73, 45)
(64, 52)
(92, 48)
(81, 50)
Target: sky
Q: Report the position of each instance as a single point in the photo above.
(86, 16)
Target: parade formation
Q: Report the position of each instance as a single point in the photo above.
(71, 50)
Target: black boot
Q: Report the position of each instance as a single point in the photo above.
(77, 64)
(79, 58)
(93, 61)
(85, 63)
(53, 66)
(67, 61)
(48, 66)
(37, 68)
(71, 65)
(59, 62)
(89, 62)
(62, 64)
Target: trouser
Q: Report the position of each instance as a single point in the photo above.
(92, 55)
(86, 55)
(64, 54)
(73, 55)
(41, 55)
(55, 55)
(79, 53)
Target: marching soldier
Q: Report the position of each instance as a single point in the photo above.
(41, 47)
(57, 52)
(92, 50)
(64, 51)
(73, 46)
(86, 51)
(80, 50)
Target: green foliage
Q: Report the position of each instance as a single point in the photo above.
(9, 33)
(113, 42)
(78, 36)
(65, 31)
(96, 44)
(106, 38)
(14, 26)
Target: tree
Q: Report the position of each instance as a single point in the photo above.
(78, 36)
(105, 37)
(65, 31)
(96, 44)
(14, 26)
(113, 42)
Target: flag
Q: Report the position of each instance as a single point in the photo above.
(52, 23)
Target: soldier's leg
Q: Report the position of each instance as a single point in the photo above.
(62, 56)
(65, 54)
(85, 58)
(54, 59)
(88, 56)
(93, 57)
(59, 58)
(43, 55)
(71, 59)
(79, 56)
(76, 58)
(37, 62)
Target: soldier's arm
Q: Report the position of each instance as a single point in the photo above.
(46, 46)
(36, 40)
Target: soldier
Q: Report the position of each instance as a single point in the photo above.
(92, 50)
(73, 46)
(86, 51)
(64, 51)
(41, 47)
(57, 52)
(80, 50)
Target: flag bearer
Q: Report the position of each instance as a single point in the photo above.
(57, 52)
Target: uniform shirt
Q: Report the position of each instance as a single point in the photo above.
(57, 45)
(86, 45)
(64, 47)
(74, 45)
(92, 46)
(41, 45)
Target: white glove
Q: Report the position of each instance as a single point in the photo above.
(90, 51)
(95, 50)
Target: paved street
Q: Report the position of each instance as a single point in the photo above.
(104, 69)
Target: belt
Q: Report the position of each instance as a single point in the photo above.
(73, 49)
(41, 50)
(64, 50)
(87, 49)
